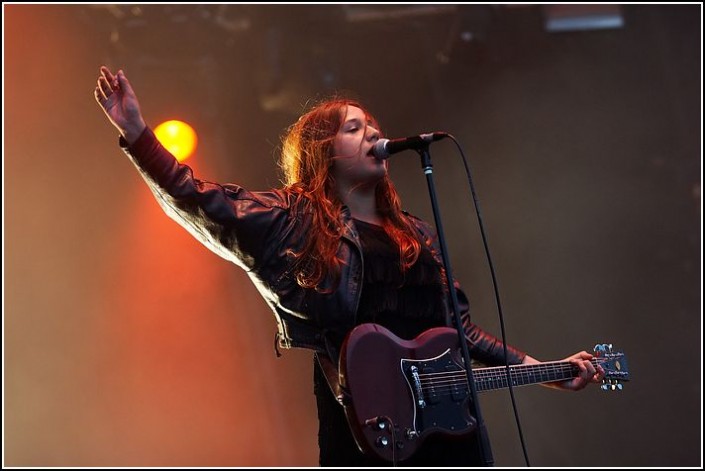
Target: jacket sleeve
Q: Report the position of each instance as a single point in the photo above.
(231, 221)
(483, 346)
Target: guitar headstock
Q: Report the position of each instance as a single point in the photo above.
(615, 365)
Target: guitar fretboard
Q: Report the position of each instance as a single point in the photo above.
(488, 379)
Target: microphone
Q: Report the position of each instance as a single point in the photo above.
(384, 148)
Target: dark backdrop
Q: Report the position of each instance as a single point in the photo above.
(126, 343)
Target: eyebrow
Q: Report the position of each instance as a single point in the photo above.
(359, 121)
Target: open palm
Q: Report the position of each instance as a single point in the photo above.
(117, 98)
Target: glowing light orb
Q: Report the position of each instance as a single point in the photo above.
(178, 137)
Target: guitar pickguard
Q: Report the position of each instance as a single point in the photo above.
(439, 394)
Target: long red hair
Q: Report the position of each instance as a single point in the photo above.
(306, 161)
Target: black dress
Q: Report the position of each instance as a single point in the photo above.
(407, 305)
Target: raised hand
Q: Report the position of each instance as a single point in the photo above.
(116, 97)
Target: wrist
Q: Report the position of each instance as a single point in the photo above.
(133, 131)
(529, 360)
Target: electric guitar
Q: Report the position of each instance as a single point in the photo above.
(402, 391)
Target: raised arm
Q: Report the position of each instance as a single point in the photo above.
(238, 225)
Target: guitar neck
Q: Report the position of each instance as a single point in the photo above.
(488, 379)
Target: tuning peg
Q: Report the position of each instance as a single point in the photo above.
(611, 385)
(603, 347)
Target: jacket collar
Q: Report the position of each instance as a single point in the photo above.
(350, 231)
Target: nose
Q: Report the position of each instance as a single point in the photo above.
(372, 133)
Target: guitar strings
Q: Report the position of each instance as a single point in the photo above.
(445, 383)
(516, 370)
(495, 377)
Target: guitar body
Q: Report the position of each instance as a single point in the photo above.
(402, 391)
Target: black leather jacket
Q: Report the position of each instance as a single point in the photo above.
(257, 231)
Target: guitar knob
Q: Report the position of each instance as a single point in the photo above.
(378, 423)
(382, 442)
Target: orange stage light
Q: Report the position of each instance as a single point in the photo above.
(178, 137)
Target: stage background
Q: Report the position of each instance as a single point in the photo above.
(126, 343)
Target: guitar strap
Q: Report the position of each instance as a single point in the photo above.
(333, 379)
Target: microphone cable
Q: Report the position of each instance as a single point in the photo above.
(485, 244)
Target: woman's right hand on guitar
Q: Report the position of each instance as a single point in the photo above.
(116, 97)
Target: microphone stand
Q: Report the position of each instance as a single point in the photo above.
(484, 442)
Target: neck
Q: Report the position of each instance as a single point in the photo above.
(362, 203)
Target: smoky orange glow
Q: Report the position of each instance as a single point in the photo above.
(127, 343)
(194, 367)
